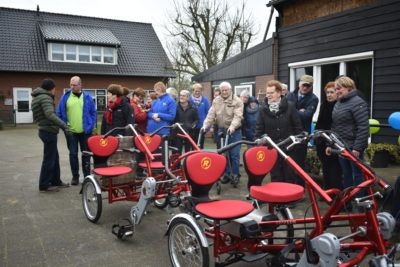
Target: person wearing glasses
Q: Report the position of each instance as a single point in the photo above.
(77, 109)
(278, 118)
(306, 103)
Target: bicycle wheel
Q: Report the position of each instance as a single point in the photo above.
(91, 201)
(184, 245)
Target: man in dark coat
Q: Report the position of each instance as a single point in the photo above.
(306, 103)
(49, 124)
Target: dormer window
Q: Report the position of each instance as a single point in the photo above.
(80, 43)
(82, 53)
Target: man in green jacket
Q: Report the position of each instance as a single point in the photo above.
(49, 124)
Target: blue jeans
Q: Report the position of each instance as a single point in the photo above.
(352, 175)
(50, 170)
(73, 140)
(234, 154)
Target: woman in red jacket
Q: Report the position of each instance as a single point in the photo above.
(139, 109)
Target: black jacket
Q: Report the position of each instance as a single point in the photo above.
(309, 102)
(188, 118)
(324, 121)
(122, 116)
(350, 121)
(278, 125)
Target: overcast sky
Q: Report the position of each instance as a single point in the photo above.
(149, 11)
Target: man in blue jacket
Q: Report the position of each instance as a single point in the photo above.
(162, 111)
(202, 105)
(78, 111)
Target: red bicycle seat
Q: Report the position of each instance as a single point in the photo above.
(259, 160)
(277, 192)
(112, 171)
(224, 209)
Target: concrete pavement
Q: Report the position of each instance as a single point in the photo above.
(50, 229)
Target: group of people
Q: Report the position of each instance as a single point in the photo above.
(279, 115)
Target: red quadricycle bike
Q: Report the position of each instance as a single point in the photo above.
(236, 230)
(117, 180)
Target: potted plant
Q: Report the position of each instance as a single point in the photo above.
(313, 164)
(380, 154)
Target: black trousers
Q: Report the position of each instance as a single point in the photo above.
(331, 169)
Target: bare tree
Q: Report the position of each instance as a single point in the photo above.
(205, 33)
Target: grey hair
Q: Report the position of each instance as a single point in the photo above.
(225, 84)
(185, 92)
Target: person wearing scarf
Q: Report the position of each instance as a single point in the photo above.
(278, 118)
(119, 112)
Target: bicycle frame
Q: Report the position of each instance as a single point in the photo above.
(367, 228)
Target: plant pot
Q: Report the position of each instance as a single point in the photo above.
(381, 159)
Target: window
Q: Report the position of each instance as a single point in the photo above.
(96, 54)
(57, 52)
(70, 51)
(241, 88)
(82, 53)
(108, 55)
(356, 66)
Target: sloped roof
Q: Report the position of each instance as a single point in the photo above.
(24, 49)
(255, 61)
(78, 34)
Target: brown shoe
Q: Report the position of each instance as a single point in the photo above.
(75, 181)
(50, 189)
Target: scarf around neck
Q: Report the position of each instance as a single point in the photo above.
(108, 115)
(196, 100)
(274, 106)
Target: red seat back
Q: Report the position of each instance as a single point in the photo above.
(103, 147)
(204, 168)
(152, 142)
(259, 160)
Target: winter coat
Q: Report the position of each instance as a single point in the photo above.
(140, 114)
(225, 113)
(122, 116)
(188, 118)
(324, 121)
(44, 111)
(202, 109)
(309, 102)
(249, 120)
(165, 107)
(89, 111)
(281, 124)
(350, 121)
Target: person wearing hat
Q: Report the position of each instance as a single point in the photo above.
(49, 124)
(306, 103)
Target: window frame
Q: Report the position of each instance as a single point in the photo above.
(102, 48)
(317, 63)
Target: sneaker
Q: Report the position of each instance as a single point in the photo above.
(235, 180)
(63, 185)
(75, 181)
(225, 179)
(49, 189)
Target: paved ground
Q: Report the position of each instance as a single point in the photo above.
(50, 229)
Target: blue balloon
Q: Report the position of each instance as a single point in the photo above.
(394, 120)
